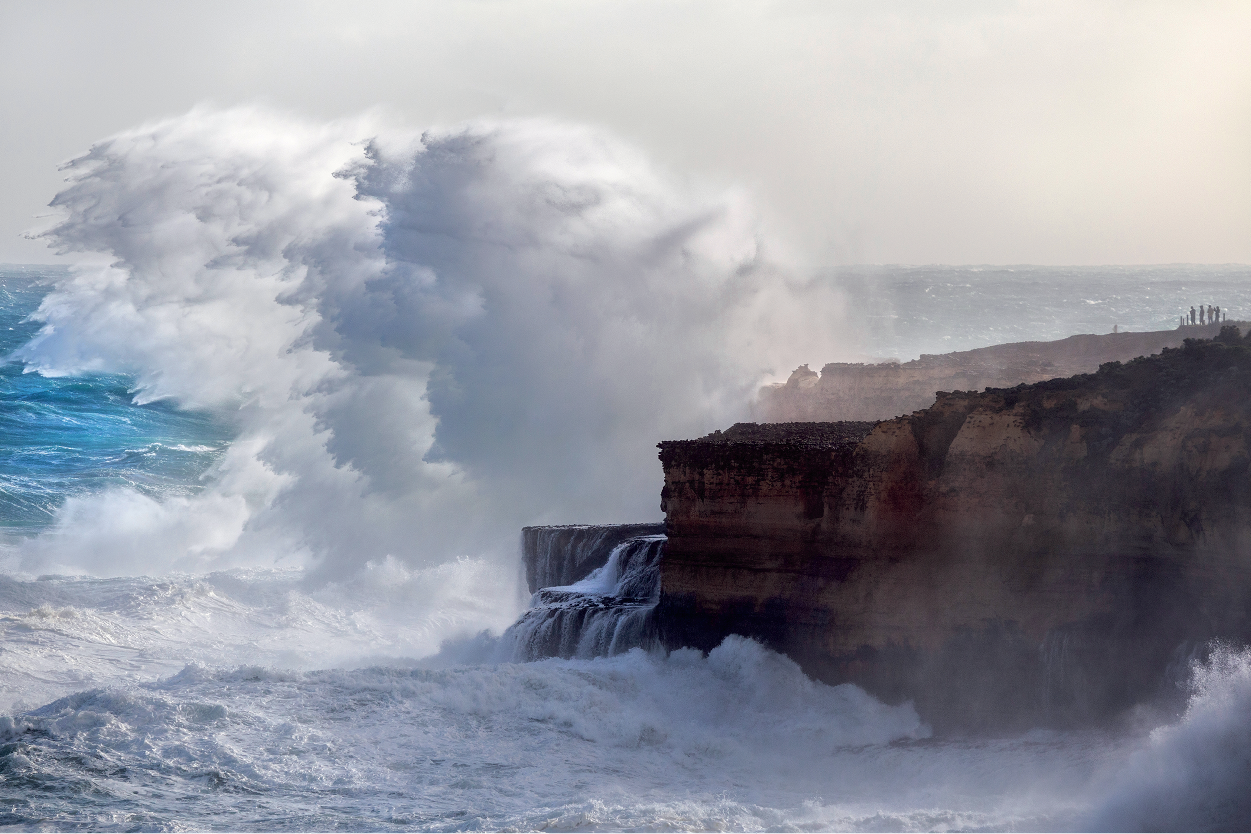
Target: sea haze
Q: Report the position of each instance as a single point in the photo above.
(904, 311)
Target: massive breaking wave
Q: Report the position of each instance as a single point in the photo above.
(423, 341)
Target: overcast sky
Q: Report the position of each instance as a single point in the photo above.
(874, 132)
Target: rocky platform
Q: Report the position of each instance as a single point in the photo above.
(1052, 553)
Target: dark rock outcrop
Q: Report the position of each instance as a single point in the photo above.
(855, 391)
(1053, 553)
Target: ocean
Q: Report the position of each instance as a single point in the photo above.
(264, 467)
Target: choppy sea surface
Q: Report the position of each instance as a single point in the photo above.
(71, 435)
(267, 699)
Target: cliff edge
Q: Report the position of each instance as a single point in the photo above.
(1055, 552)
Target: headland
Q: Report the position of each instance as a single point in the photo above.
(1052, 553)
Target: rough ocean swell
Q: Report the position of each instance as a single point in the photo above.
(269, 444)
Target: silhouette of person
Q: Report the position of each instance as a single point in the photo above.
(1192, 314)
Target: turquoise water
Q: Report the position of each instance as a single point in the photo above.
(64, 436)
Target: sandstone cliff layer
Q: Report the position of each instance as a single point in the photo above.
(1053, 552)
(855, 391)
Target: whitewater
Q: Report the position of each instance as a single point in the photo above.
(269, 442)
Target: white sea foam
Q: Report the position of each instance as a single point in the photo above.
(1194, 775)
(738, 739)
(64, 634)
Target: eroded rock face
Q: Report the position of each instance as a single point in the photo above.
(1050, 553)
(857, 391)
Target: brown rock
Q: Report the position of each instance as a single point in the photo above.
(1052, 553)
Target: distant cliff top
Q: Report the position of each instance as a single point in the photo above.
(1072, 352)
(851, 391)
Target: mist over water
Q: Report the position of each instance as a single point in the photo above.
(900, 312)
(270, 445)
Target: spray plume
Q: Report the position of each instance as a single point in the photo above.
(425, 340)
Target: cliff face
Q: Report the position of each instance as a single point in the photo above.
(853, 391)
(1052, 552)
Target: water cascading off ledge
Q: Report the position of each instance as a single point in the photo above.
(594, 591)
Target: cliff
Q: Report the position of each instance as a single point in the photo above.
(853, 391)
(1054, 552)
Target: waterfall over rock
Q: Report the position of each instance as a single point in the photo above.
(562, 555)
(608, 611)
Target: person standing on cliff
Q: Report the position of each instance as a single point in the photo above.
(1192, 314)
